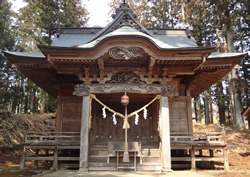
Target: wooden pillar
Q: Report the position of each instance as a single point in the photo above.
(211, 153)
(84, 142)
(36, 161)
(59, 113)
(192, 154)
(55, 161)
(23, 154)
(165, 135)
(225, 155)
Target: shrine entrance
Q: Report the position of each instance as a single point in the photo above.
(105, 127)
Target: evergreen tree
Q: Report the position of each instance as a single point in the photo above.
(38, 18)
(7, 41)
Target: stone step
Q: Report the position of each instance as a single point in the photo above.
(149, 167)
(149, 159)
(101, 164)
(102, 168)
(98, 152)
(150, 152)
(97, 158)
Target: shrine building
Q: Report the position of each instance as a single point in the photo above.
(88, 70)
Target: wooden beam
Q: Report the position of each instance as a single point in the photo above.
(150, 68)
(202, 62)
(164, 89)
(101, 68)
(179, 70)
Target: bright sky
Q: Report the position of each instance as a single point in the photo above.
(98, 9)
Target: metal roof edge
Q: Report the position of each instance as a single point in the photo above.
(16, 54)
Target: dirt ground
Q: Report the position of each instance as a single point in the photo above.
(13, 127)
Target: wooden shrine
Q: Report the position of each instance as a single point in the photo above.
(89, 69)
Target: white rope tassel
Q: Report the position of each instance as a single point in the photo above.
(114, 119)
(145, 113)
(136, 119)
(104, 115)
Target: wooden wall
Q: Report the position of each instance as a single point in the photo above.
(69, 112)
(180, 114)
(70, 108)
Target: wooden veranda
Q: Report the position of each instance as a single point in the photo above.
(60, 148)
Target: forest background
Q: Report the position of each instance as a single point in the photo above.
(224, 24)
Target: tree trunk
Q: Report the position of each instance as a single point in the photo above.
(221, 103)
(43, 102)
(236, 103)
(235, 96)
(199, 110)
(31, 98)
(206, 108)
(211, 107)
(195, 108)
(34, 99)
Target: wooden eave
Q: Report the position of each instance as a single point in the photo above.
(39, 71)
(211, 72)
(178, 61)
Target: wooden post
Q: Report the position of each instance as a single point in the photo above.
(22, 163)
(225, 156)
(226, 164)
(84, 144)
(55, 162)
(165, 135)
(211, 153)
(192, 153)
(36, 161)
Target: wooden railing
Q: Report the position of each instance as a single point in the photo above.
(200, 141)
(199, 138)
(52, 138)
(49, 141)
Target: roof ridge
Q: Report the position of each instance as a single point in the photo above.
(124, 16)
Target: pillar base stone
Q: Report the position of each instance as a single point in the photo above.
(83, 170)
(166, 170)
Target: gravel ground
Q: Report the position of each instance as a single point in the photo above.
(69, 173)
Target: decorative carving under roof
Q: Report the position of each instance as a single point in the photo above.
(126, 53)
(84, 89)
(126, 77)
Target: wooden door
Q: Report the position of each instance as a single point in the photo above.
(104, 130)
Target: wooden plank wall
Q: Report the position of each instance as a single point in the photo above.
(179, 112)
(71, 114)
